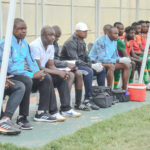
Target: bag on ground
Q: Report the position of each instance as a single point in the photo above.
(120, 95)
(101, 96)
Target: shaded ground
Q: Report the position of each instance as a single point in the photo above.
(43, 133)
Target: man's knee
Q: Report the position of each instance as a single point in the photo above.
(71, 76)
(127, 67)
(104, 70)
(133, 64)
(48, 78)
(20, 86)
(78, 74)
(27, 82)
(110, 67)
(90, 71)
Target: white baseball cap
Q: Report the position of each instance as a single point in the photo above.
(81, 26)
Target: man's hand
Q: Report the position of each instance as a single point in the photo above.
(64, 75)
(72, 66)
(125, 60)
(8, 83)
(140, 61)
(97, 67)
(39, 75)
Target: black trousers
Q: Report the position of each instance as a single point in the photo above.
(47, 99)
(64, 92)
(24, 105)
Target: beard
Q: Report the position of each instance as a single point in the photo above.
(130, 38)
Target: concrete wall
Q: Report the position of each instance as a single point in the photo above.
(58, 12)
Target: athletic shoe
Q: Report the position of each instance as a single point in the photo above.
(91, 104)
(59, 117)
(82, 107)
(44, 117)
(7, 128)
(16, 125)
(71, 113)
(24, 123)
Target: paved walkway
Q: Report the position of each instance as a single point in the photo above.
(46, 132)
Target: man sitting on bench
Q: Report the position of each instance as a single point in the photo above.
(105, 51)
(43, 52)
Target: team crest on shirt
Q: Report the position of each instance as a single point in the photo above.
(102, 46)
(41, 58)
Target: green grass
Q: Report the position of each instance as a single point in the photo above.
(128, 131)
(10, 146)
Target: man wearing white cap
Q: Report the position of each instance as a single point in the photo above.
(75, 49)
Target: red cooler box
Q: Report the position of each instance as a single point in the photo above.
(137, 92)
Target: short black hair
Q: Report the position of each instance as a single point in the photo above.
(45, 29)
(117, 23)
(147, 21)
(128, 29)
(141, 22)
(56, 29)
(107, 26)
(112, 28)
(18, 20)
(135, 24)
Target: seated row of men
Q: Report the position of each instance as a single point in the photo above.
(132, 45)
(39, 66)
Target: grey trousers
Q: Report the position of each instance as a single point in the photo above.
(16, 93)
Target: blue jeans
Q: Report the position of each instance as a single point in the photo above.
(87, 79)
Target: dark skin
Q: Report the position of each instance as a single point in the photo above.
(122, 52)
(81, 34)
(143, 28)
(138, 31)
(19, 31)
(8, 82)
(135, 59)
(120, 29)
(147, 27)
(113, 35)
(57, 36)
(105, 31)
(48, 37)
(120, 33)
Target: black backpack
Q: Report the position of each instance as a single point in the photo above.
(102, 96)
(120, 95)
